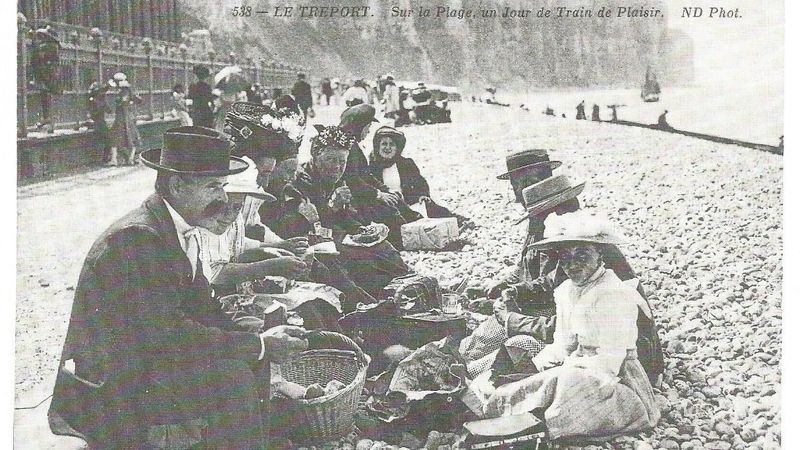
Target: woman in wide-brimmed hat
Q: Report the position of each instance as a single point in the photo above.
(588, 383)
(401, 174)
(124, 134)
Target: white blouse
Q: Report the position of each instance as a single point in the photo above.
(391, 178)
(595, 324)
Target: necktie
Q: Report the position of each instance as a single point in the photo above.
(192, 238)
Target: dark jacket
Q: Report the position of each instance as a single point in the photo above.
(136, 309)
(412, 183)
(358, 177)
(302, 94)
(201, 113)
(308, 183)
(282, 216)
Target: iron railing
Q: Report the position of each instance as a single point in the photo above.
(152, 67)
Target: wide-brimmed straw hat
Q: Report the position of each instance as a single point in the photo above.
(193, 150)
(549, 193)
(577, 227)
(246, 183)
(529, 160)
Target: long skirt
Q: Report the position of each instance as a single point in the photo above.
(580, 403)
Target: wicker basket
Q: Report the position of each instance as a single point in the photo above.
(329, 417)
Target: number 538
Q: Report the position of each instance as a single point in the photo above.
(242, 11)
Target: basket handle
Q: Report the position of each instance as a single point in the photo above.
(320, 340)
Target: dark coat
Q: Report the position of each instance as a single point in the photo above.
(412, 183)
(308, 183)
(302, 94)
(201, 113)
(358, 177)
(136, 313)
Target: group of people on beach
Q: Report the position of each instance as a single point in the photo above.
(163, 328)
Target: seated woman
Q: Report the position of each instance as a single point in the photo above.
(318, 185)
(401, 174)
(587, 384)
(271, 137)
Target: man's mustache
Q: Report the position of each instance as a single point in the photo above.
(214, 208)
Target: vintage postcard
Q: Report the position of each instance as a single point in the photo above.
(399, 224)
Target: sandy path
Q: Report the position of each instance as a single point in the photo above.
(705, 221)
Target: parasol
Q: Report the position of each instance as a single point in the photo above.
(231, 80)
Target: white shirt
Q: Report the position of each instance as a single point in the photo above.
(193, 248)
(188, 237)
(391, 178)
(600, 315)
(355, 92)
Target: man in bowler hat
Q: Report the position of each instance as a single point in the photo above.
(147, 343)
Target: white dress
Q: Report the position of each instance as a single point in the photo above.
(590, 384)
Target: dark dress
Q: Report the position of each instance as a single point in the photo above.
(201, 111)
(151, 346)
(370, 269)
(124, 134)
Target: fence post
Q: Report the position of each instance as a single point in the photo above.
(148, 49)
(74, 39)
(96, 36)
(232, 58)
(185, 56)
(212, 56)
(22, 31)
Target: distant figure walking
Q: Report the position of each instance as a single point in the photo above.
(327, 90)
(124, 134)
(662, 121)
(200, 99)
(595, 113)
(97, 114)
(302, 94)
(581, 111)
(548, 111)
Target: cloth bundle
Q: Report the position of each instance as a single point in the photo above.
(429, 234)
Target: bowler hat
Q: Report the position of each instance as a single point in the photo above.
(194, 150)
(549, 193)
(357, 117)
(535, 159)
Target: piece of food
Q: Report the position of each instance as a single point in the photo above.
(314, 391)
(333, 387)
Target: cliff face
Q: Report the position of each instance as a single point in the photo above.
(514, 52)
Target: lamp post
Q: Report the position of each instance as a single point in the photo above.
(76, 81)
(212, 56)
(96, 36)
(185, 57)
(22, 39)
(259, 68)
(148, 50)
